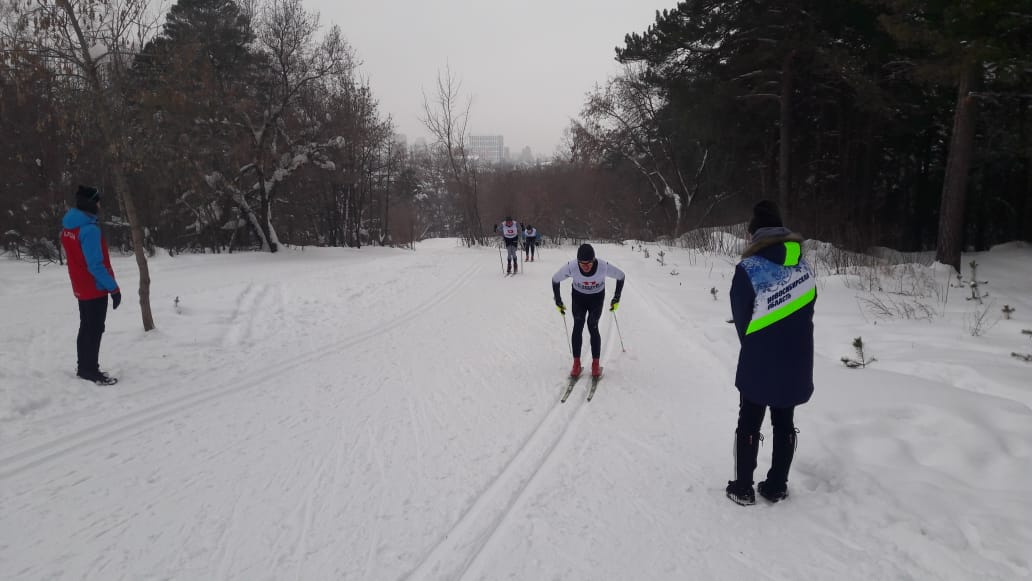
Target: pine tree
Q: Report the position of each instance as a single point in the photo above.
(959, 44)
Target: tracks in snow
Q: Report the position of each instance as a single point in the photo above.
(254, 302)
(20, 461)
(462, 545)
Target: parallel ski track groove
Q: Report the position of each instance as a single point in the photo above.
(19, 462)
(467, 533)
(475, 536)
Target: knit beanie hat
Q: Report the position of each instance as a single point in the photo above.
(87, 199)
(765, 215)
(585, 253)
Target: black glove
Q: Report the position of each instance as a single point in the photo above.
(614, 304)
(116, 299)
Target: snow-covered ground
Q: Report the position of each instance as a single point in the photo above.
(389, 414)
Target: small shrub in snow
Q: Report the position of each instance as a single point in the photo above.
(646, 251)
(1007, 310)
(721, 240)
(661, 255)
(979, 321)
(887, 307)
(713, 291)
(976, 293)
(910, 280)
(861, 359)
(1026, 357)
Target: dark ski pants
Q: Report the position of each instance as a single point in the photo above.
(587, 308)
(511, 259)
(747, 441)
(92, 314)
(529, 248)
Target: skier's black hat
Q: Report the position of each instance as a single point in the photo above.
(87, 199)
(765, 215)
(87, 193)
(585, 253)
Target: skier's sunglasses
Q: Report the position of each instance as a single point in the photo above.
(585, 262)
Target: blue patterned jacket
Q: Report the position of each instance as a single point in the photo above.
(772, 298)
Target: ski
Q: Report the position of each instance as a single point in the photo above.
(569, 388)
(594, 383)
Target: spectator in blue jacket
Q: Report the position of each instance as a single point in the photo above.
(772, 299)
(93, 280)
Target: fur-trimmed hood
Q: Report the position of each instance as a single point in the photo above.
(770, 243)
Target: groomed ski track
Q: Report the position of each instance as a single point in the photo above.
(58, 448)
(388, 414)
(459, 548)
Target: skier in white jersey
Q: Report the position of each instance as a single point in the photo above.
(589, 289)
(529, 242)
(510, 230)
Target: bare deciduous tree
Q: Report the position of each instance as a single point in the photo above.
(446, 120)
(92, 41)
(622, 119)
(296, 60)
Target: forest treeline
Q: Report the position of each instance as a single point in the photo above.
(247, 125)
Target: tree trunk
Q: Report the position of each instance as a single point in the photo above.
(122, 190)
(1025, 216)
(954, 189)
(114, 140)
(785, 149)
(265, 219)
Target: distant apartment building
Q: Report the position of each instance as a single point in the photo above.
(487, 148)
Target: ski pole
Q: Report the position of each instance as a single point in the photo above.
(568, 338)
(617, 321)
(500, 262)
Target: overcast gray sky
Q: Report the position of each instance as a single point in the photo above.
(526, 64)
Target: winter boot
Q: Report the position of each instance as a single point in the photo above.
(576, 371)
(508, 267)
(740, 493)
(98, 377)
(775, 487)
(596, 371)
(747, 447)
(771, 492)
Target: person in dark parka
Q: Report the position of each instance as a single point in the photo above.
(772, 302)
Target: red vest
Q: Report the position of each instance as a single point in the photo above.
(83, 285)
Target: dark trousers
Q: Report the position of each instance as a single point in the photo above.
(528, 248)
(747, 441)
(587, 308)
(92, 314)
